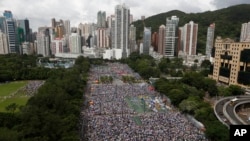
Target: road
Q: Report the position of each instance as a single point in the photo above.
(225, 111)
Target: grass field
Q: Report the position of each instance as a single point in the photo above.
(137, 104)
(11, 93)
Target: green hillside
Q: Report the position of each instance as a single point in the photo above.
(228, 22)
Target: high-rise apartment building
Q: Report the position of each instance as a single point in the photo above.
(245, 32)
(3, 43)
(43, 41)
(75, 43)
(146, 40)
(120, 38)
(231, 62)
(101, 19)
(101, 37)
(53, 22)
(132, 38)
(26, 48)
(189, 38)
(154, 40)
(131, 19)
(59, 31)
(58, 45)
(210, 39)
(171, 36)
(67, 27)
(3, 25)
(161, 39)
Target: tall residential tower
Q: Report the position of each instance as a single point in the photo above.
(121, 32)
(171, 36)
(210, 39)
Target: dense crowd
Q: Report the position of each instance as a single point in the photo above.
(32, 87)
(110, 118)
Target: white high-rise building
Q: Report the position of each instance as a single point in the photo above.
(43, 44)
(171, 36)
(3, 43)
(146, 40)
(26, 48)
(120, 38)
(67, 27)
(210, 39)
(75, 43)
(190, 32)
(245, 32)
(132, 38)
(58, 45)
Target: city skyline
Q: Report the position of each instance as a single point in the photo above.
(40, 13)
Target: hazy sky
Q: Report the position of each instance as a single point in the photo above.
(40, 12)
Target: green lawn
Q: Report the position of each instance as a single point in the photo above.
(137, 104)
(9, 88)
(18, 100)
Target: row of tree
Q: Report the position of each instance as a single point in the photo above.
(22, 67)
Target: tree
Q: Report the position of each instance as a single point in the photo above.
(11, 107)
(189, 105)
(205, 64)
(210, 86)
(176, 96)
(236, 90)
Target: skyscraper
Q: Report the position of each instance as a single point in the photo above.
(43, 41)
(101, 37)
(24, 24)
(67, 27)
(171, 36)
(245, 32)
(132, 38)
(161, 39)
(210, 39)
(121, 32)
(3, 27)
(101, 19)
(190, 32)
(59, 31)
(155, 41)
(8, 14)
(3, 43)
(75, 43)
(146, 40)
(12, 36)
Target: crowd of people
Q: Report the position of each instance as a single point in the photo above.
(110, 118)
(32, 87)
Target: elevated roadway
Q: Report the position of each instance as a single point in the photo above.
(225, 109)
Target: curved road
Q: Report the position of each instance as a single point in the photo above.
(226, 113)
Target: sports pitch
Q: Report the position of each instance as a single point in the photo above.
(137, 104)
(12, 93)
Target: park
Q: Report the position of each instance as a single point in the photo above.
(16, 94)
